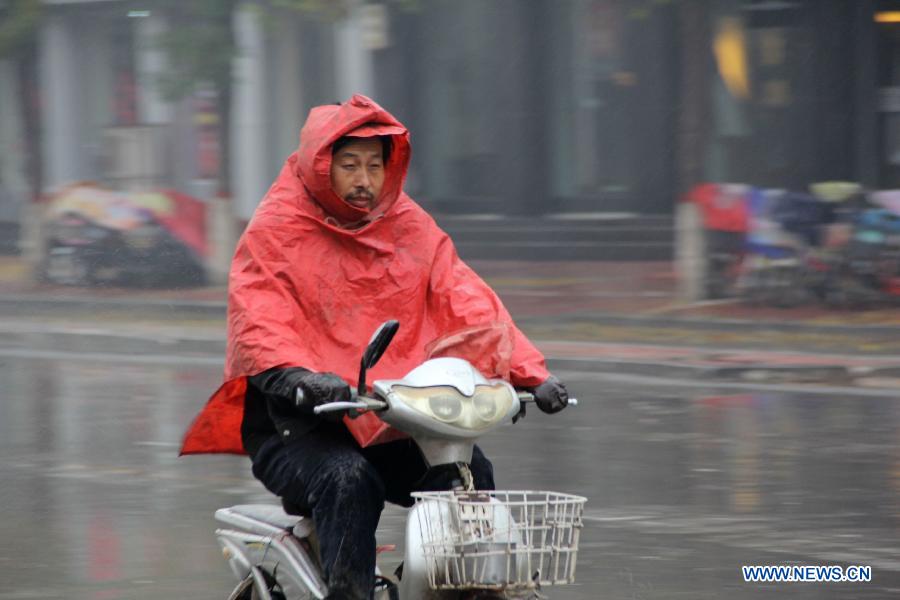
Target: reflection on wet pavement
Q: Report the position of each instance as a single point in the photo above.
(684, 488)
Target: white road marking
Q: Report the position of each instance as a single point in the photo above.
(650, 381)
(104, 357)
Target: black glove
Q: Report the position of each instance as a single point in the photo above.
(320, 388)
(551, 396)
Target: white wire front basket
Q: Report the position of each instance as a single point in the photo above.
(499, 539)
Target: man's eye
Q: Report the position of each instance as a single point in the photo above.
(348, 167)
(378, 166)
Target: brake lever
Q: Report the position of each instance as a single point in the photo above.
(371, 405)
(520, 414)
(524, 399)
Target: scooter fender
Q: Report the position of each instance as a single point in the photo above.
(439, 522)
(280, 556)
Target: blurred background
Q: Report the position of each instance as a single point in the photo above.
(611, 107)
(691, 206)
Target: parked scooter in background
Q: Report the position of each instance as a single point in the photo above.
(872, 256)
(96, 236)
(837, 245)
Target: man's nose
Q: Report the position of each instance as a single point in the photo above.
(362, 179)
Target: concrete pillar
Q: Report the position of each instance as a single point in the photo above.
(150, 62)
(865, 134)
(690, 253)
(221, 239)
(287, 89)
(61, 116)
(31, 237)
(249, 155)
(248, 127)
(353, 59)
(13, 182)
(693, 111)
(15, 200)
(97, 88)
(63, 152)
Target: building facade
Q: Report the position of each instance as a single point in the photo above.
(517, 107)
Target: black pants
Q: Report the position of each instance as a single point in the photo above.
(343, 487)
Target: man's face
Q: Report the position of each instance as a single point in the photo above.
(357, 172)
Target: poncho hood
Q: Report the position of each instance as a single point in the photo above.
(358, 117)
(306, 292)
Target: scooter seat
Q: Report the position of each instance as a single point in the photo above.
(264, 519)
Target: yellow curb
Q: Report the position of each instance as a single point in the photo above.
(536, 281)
(13, 270)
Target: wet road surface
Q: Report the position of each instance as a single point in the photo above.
(685, 484)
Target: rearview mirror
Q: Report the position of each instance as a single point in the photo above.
(381, 339)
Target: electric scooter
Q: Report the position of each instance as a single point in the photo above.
(460, 543)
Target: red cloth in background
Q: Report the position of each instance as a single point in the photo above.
(723, 207)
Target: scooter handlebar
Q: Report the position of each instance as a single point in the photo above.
(361, 403)
(529, 397)
(364, 403)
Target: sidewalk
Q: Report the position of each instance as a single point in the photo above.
(623, 316)
(642, 290)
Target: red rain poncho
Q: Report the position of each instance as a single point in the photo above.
(304, 291)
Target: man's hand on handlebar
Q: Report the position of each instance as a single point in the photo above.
(551, 396)
(314, 389)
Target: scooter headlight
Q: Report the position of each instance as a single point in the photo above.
(486, 407)
(445, 407)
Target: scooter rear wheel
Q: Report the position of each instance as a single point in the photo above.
(246, 590)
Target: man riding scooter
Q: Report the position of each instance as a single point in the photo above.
(334, 249)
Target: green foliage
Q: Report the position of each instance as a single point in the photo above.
(324, 10)
(643, 9)
(19, 20)
(200, 40)
(330, 10)
(408, 5)
(200, 45)
(333, 9)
